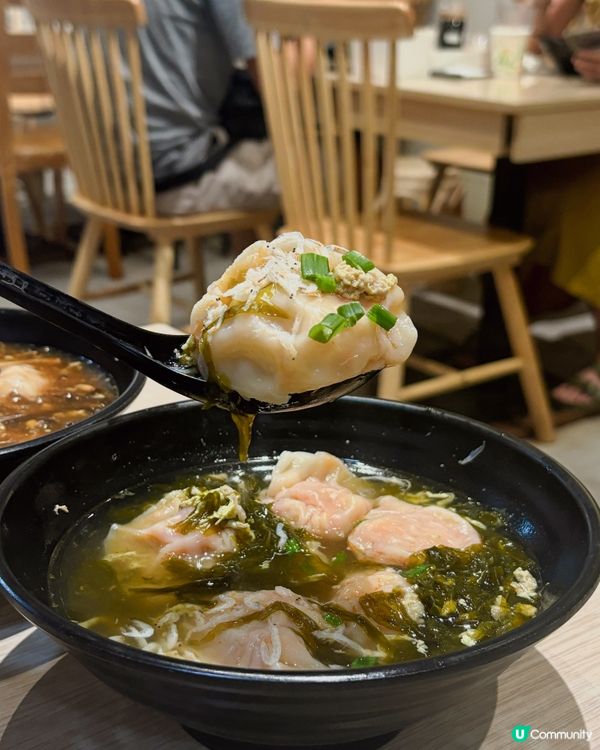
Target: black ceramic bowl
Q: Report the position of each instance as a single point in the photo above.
(549, 511)
(18, 326)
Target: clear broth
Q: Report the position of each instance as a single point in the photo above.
(457, 587)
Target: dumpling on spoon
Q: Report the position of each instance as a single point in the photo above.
(293, 315)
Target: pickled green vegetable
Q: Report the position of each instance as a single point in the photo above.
(466, 595)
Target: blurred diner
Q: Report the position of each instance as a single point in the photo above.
(206, 127)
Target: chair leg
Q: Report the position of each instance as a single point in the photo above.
(160, 308)
(13, 227)
(196, 256)
(391, 380)
(263, 232)
(440, 173)
(84, 260)
(532, 381)
(112, 251)
(60, 219)
(33, 183)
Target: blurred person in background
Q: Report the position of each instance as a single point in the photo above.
(206, 126)
(559, 207)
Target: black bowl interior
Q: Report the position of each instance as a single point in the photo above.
(18, 326)
(548, 510)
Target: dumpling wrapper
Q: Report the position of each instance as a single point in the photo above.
(252, 325)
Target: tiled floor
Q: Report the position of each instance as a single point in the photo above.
(577, 445)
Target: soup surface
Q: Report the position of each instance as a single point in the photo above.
(43, 390)
(308, 564)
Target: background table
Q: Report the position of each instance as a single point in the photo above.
(536, 119)
(49, 702)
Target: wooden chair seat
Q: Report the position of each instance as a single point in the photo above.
(39, 147)
(467, 159)
(428, 249)
(470, 159)
(30, 104)
(177, 227)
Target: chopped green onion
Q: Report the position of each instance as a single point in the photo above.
(313, 265)
(292, 546)
(352, 312)
(326, 283)
(382, 316)
(416, 571)
(340, 557)
(320, 333)
(365, 661)
(332, 619)
(327, 328)
(357, 260)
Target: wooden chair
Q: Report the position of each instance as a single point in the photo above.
(467, 159)
(28, 147)
(87, 45)
(337, 194)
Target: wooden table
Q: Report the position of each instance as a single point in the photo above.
(536, 119)
(49, 702)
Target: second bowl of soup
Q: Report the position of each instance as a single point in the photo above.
(52, 384)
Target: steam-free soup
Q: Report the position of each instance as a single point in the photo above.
(43, 390)
(309, 564)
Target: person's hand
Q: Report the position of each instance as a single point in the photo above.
(587, 63)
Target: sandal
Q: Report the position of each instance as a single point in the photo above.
(581, 392)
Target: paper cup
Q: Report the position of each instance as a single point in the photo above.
(507, 47)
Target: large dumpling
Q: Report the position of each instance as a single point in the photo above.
(188, 530)
(269, 629)
(307, 490)
(23, 381)
(254, 330)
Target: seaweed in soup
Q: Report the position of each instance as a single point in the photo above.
(227, 575)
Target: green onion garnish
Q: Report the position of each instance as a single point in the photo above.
(357, 260)
(382, 316)
(313, 265)
(365, 661)
(332, 619)
(292, 546)
(346, 316)
(327, 328)
(416, 571)
(326, 283)
(339, 558)
(352, 312)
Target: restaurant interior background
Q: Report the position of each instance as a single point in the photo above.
(447, 314)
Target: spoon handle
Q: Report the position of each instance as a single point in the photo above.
(64, 311)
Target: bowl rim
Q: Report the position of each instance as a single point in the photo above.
(122, 401)
(101, 648)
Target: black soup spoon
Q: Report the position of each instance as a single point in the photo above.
(153, 354)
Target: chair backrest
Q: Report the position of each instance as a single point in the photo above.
(334, 129)
(92, 56)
